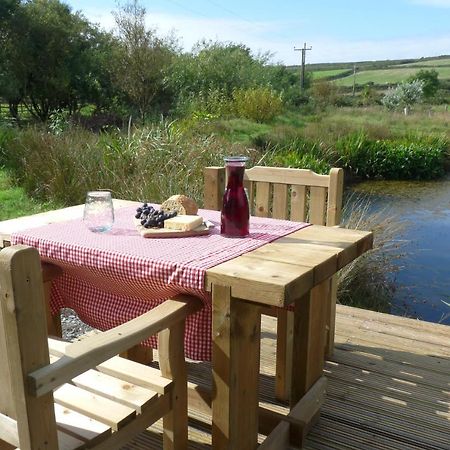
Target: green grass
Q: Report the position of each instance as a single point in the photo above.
(430, 63)
(323, 74)
(15, 203)
(379, 123)
(387, 76)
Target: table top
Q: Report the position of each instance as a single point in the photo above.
(284, 270)
(275, 274)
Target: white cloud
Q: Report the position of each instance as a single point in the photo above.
(270, 36)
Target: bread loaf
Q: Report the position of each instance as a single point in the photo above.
(181, 204)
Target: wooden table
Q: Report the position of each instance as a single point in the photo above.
(293, 270)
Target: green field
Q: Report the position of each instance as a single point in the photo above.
(15, 202)
(322, 74)
(431, 63)
(387, 76)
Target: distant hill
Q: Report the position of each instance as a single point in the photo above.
(426, 61)
(379, 73)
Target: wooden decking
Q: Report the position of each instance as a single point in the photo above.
(388, 386)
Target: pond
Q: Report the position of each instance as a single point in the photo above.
(422, 209)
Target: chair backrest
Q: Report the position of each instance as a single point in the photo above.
(283, 193)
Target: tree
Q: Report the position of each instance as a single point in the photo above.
(49, 59)
(404, 95)
(430, 81)
(9, 87)
(142, 58)
(216, 66)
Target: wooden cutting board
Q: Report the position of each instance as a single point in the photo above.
(203, 229)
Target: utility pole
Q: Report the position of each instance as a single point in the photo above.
(354, 78)
(302, 72)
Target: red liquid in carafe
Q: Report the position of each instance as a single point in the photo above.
(235, 209)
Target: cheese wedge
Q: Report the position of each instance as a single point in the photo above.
(183, 222)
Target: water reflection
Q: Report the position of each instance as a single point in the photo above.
(423, 208)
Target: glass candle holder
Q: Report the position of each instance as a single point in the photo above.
(235, 208)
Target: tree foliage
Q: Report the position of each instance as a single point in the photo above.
(404, 95)
(216, 66)
(430, 81)
(49, 58)
(146, 57)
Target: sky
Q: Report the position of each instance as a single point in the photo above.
(337, 31)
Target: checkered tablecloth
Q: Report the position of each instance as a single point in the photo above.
(111, 278)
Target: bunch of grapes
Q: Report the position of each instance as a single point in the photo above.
(151, 217)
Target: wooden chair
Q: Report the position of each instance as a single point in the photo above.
(81, 395)
(298, 195)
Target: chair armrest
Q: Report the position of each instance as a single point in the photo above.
(88, 353)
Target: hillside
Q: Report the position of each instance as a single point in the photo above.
(380, 73)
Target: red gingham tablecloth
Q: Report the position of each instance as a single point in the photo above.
(113, 277)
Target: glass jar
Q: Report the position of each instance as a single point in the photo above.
(235, 209)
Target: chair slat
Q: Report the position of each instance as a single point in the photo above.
(136, 373)
(335, 193)
(120, 391)
(8, 430)
(284, 175)
(262, 199)
(94, 406)
(317, 200)
(279, 204)
(214, 182)
(80, 426)
(124, 369)
(298, 203)
(249, 186)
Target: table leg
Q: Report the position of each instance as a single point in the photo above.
(236, 332)
(309, 340)
(49, 273)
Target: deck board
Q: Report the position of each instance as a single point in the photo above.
(389, 387)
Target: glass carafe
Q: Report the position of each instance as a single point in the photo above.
(235, 208)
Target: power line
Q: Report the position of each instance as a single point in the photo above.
(186, 8)
(229, 11)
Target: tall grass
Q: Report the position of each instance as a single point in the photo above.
(143, 164)
(369, 281)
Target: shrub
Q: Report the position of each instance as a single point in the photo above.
(404, 95)
(260, 104)
(300, 154)
(408, 158)
(324, 93)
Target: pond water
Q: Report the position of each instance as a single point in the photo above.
(422, 209)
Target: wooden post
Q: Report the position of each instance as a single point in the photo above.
(173, 366)
(334, 214)
(308, 340)
(236, 350)
(214, 187)
(25, 335)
